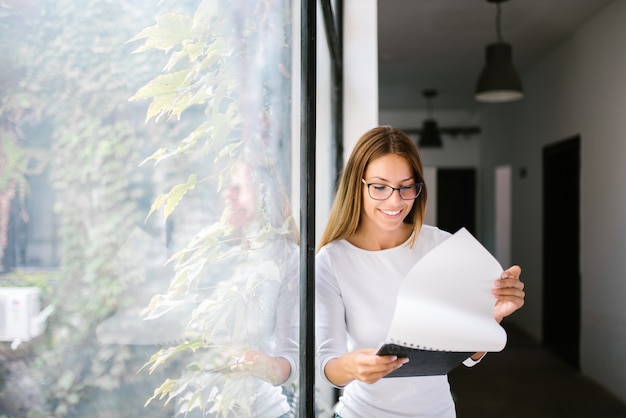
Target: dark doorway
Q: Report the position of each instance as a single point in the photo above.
(456, 199)
(561, 249)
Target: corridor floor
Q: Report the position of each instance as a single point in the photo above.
(526, 380)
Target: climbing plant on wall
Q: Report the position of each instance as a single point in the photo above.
(229, 61)
(209, 85)
(69, 73)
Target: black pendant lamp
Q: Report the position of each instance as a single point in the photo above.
(499, 81)
(430, 136)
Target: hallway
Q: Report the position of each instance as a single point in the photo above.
(526, 380)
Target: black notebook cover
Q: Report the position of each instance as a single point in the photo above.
(423, 362)
(444, 309)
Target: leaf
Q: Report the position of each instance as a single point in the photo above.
(160, 305)
(173, 198)
(170, 30)
(165, 354)
(178, 192)
(156, 205)
(190, 49)
(162, 390)
(164, 90)
(160, 155)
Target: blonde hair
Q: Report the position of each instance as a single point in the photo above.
(270, 195)
(345, 215)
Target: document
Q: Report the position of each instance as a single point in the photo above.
(444, 309)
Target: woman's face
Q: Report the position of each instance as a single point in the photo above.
(387, 215)
(240, 198)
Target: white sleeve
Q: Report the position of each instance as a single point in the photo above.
(330, 322)
(288, 315)
(469, 362)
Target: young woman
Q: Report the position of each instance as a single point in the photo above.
(247, 304)
(375, 234)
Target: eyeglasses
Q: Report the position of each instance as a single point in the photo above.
(379, 191)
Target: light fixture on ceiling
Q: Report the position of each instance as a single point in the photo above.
(429, 136)
(499, 81)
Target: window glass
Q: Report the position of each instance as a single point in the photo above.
(148, 243)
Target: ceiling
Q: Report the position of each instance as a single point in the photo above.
(440, 44)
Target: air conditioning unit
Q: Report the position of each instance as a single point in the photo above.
(21, 317)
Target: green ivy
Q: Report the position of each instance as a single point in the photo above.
(72, 72)
(211, 56)
(84, 76)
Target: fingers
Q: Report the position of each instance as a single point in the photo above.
(510, 278)
(392, 363)
(372, 367)
(509, 289)
(509, 293)
(513, 271)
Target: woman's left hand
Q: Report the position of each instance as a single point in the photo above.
(250, 362)
(509, 293)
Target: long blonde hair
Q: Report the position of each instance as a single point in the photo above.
(345, 215)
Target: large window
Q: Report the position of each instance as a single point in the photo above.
(149, 241)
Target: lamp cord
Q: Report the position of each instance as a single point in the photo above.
(498, 15)
(429, 95)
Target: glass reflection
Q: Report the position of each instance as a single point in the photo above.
(157, 228)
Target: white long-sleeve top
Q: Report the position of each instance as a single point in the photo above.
(355, 301)
(250, 301)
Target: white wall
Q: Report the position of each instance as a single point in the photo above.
(578, 89)
(360, 70)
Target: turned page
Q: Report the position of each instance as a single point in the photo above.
(445, 301)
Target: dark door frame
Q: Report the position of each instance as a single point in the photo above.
(561, 249)
(456, 199)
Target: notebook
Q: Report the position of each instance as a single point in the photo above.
(444, 309)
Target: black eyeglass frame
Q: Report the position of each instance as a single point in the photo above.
(419, 187)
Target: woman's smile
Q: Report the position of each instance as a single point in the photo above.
(392, 213)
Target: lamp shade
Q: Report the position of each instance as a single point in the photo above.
(499, 81)
(430, 137)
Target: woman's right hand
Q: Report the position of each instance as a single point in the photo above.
(364, 365)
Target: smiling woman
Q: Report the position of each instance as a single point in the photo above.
(373, 238)
(346, 213)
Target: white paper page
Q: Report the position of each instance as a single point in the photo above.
(445, 302)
